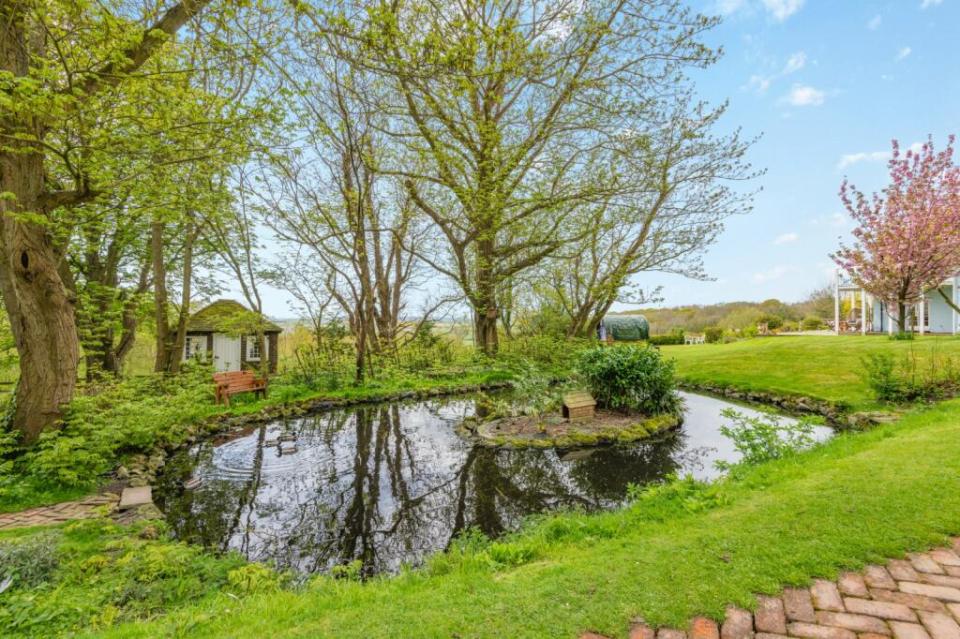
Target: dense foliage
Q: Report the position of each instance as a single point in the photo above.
(765, 437)
(93, 574)
(910, 377)
(630, 379)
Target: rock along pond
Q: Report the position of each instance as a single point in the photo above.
(388, 484)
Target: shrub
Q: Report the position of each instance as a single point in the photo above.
(879, 372)
(712, 334)
(789, 326)
(910, 379)
(132, 415)
(773, 322)
(812, 323)
(630, 378)
(27, 563)
(673, 337)
(765, 437)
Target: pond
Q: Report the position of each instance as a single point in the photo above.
(388, 484)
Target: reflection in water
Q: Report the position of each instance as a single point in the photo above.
(389, 484)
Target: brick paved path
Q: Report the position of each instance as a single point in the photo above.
(58, 513)
(913, 598)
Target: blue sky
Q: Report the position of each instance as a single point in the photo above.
(828, 84)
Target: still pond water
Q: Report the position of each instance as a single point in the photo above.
(389, 484)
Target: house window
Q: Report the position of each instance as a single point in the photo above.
(253, 348)
(195, 346)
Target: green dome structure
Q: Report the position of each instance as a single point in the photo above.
(624, 328)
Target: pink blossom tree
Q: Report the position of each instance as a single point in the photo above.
(907, 238)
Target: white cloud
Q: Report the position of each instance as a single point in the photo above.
(834, 220)
(783, 9)
(926, 4)
(874, 23)
(803, 95)
(903, 53)
(855, 158)
(760, 83)
(772, 274)
(726, 7)
(795, 62)
(786, 238)
(779, 10)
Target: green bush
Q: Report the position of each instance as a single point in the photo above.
(133, 415)
(909, 380)
(672, 338)
(765, 437)
(790, 326)
(712, 334)
(812, 323)
(773, 322)
(630, 379)
(93, 574)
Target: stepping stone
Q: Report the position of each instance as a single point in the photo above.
(133, 496)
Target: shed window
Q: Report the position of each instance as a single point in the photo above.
(195, 346)
(253, 348)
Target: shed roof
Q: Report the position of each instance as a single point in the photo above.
(228, 316)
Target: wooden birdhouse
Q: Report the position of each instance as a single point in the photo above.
(578, 406)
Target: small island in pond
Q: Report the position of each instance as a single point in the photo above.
(632, 396)
(606, 427)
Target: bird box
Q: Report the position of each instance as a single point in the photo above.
(578, 406)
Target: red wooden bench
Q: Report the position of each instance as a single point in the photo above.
(234, 382)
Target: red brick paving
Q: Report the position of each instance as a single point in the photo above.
(58, 513)
(913, 598)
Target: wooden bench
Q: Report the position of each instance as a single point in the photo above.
(234, 382)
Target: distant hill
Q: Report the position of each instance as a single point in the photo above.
(735, 315)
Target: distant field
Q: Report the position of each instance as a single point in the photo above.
(824, 367)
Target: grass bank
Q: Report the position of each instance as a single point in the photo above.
(680, 550)
(822, 367)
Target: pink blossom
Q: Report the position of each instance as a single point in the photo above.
(907, 238)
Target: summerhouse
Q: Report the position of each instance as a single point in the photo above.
(225, 332)
(856, 311)
(623, 328)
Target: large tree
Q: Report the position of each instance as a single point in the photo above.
(676, 190)
(55, 58)
(907, 239)
(504, 109)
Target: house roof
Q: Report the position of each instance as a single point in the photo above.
(228, 316)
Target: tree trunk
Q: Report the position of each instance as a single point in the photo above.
(485, 306)
(160, 300)
(41, 312)
(180, 337)
(901, 316)
(39, 304)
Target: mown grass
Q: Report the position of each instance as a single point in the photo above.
(680, 550)
(822, 367)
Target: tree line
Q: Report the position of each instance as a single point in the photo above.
(503, 155)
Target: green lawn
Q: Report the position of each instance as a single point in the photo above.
(822, 367)
(684, 551)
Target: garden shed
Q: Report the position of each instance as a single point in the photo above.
(225, 332)
(623, 328)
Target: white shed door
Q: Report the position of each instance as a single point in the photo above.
(226, 352)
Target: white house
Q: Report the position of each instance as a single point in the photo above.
(855, 310)
(221, 332)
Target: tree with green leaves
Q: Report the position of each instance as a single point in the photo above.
(677, 186)
(504, 110)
